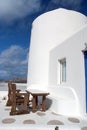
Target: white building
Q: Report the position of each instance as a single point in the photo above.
(58, 59)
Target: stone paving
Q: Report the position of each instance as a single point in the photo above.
(39, 118)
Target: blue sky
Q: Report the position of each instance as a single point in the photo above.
(16, 18)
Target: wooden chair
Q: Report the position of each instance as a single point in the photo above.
(9, 101)
(19, 105)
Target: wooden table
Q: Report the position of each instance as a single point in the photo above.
(35, 93)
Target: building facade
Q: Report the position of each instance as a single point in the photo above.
(58, 57)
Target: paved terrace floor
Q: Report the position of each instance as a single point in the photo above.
(38, 118)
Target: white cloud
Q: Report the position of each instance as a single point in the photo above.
(11, 10)
(14, 9)
(13, 62)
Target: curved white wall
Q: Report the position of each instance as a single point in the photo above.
(49, 30)
(53, 27)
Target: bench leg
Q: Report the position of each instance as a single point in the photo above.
(44, 103)
(13, 108)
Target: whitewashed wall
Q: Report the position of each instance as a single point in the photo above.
(71, 49)
(55, 35)
(49, 30)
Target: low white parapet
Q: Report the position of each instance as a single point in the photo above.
(63, 101)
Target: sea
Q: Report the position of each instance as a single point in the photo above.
(21, 86)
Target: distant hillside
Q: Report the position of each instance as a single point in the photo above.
(16, 80)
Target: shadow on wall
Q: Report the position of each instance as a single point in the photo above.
(48, 103)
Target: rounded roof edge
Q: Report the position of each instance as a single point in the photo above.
(59, 10)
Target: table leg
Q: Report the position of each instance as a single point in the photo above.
(44, 103)
(34, 104)
(36, 100)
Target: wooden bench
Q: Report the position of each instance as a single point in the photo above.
(18, 99)
(9, 101)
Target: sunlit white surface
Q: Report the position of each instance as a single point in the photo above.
(55, 35)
